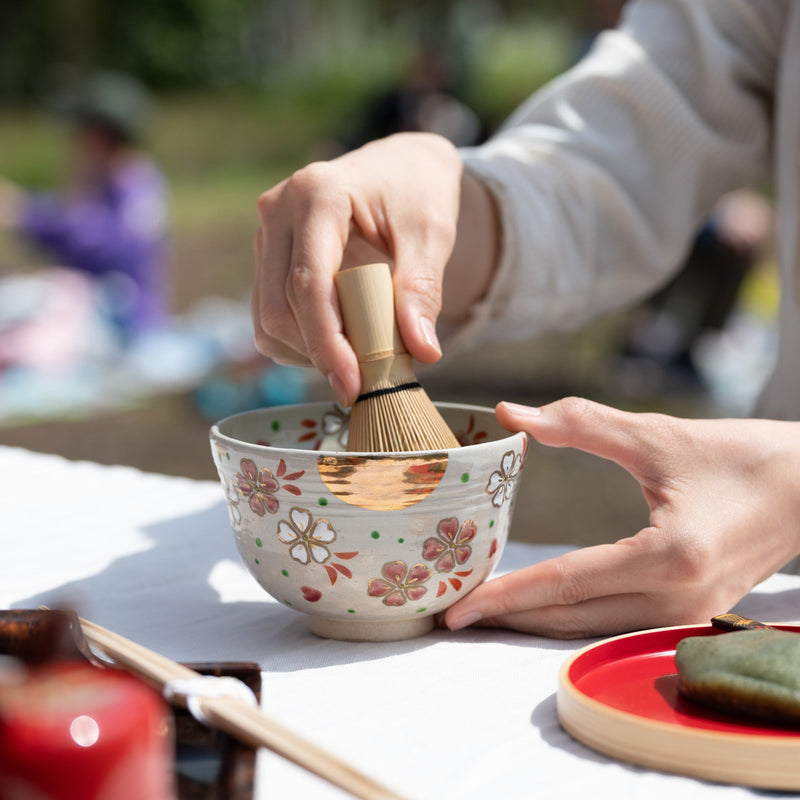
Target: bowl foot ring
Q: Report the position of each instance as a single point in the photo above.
(383, 630)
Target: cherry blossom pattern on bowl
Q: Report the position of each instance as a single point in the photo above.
(369, 545)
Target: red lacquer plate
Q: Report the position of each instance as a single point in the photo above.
(620, 697)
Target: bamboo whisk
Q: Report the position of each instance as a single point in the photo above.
(393, 412)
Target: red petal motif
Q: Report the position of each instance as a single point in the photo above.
(448, 528)
(446, 562)
(416, 592)
(249, 469)
(396, 598)
(377, 587)
(257, 504)
(432, 548)
(343, 569)
(267, 482)
(467, 532)
(419, 573)
(395, 571)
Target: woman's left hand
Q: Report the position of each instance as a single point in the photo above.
(724, 501)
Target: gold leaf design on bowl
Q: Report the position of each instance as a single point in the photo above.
(382, 483)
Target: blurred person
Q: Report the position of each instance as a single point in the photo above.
(426, 99)
(658, 350)
(660, 347)
(587, 199)
(701, 299)
(106, 232)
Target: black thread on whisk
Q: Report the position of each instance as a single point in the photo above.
(389, 390)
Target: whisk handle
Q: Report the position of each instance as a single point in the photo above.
(366, 300)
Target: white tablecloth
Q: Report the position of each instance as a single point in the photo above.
(464, 715)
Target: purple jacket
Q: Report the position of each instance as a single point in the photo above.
(119, 234)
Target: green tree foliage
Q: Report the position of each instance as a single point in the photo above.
(168, 43)
(180, 44)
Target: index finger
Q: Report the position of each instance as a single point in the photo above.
(320, 230)
(276, 332)
(641, 443)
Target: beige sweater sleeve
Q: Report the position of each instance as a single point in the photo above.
(603, 177)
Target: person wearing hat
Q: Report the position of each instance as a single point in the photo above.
(110, 222)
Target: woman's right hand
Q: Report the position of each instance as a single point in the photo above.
(395, 199)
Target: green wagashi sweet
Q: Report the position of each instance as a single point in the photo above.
(752, 673)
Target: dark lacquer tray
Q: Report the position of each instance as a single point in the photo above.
(209, 764)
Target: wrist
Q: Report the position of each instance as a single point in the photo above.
(475, 255)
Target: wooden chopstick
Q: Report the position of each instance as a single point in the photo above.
(234, 716)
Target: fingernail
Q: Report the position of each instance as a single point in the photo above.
(429, 334)
(523, 411)
(338, 388)
(465, 620)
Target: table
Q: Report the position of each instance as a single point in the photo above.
(451, 715)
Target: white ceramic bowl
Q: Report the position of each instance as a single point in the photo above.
(370, 546)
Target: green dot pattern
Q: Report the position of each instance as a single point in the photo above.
(491, 523)
(256, 560)
(259, 543)
(400, 541)
(420, 610)
(276, 426)
(351, 611)
(323, 501)
(465, 477)
(285, 573)
(375, 535)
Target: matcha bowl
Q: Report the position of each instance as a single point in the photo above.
(369, 545)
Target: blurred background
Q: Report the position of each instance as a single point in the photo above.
(170, 118)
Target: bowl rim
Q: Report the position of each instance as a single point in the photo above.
(216, 434)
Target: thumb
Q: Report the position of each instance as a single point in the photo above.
(619, 436)
(418, 301)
